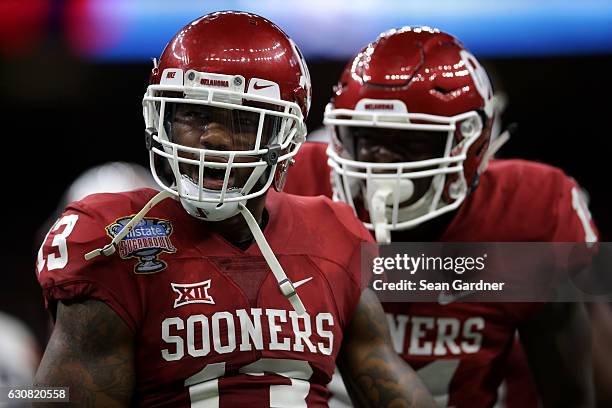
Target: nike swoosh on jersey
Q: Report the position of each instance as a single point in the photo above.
(300, 283)
(257, 87)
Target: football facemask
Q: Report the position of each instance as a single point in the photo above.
(390, 190)
(221, 147)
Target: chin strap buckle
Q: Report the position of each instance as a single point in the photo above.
(284, 283)
(288, 290)
(108, 250)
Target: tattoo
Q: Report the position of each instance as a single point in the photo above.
(91, 351)
(373, 373)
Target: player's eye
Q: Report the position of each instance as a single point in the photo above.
(193, 117)
(246, 122)
(196, 115)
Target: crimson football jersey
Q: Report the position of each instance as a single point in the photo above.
(461, 350)
(211, 325)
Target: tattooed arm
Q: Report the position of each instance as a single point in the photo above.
(374, 375)
(91, 352)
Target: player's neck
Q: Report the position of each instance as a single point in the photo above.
(235, 229)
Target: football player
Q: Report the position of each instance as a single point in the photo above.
(411, 120)
(216, 291)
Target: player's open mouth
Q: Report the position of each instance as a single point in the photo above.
(213, 178)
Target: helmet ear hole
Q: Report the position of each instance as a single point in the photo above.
(471, 127)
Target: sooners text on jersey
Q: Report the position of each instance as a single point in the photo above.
(210, 322)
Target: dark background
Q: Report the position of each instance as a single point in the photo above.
(62, 114)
